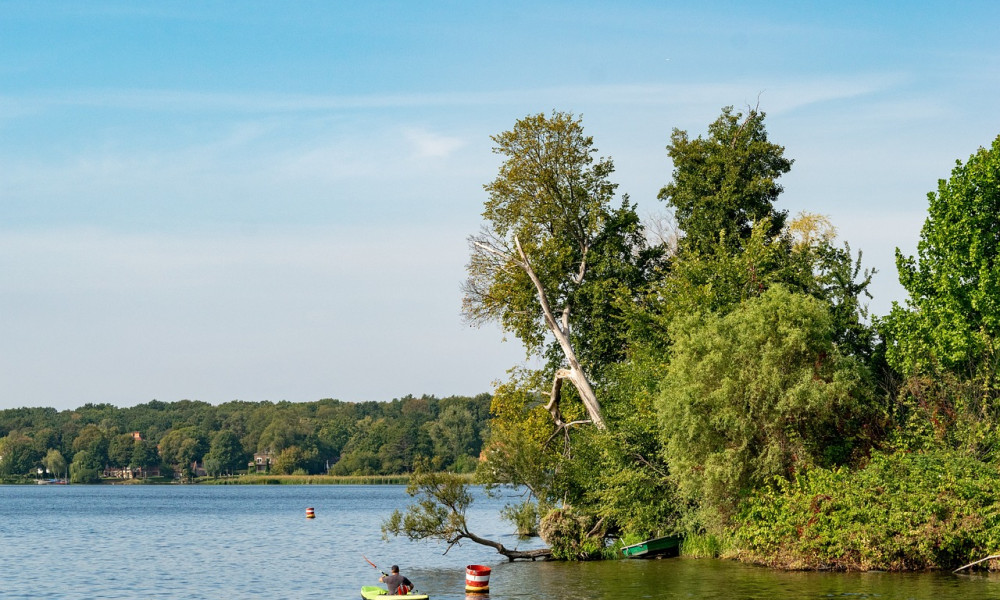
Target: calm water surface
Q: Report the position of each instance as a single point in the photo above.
(221, 542)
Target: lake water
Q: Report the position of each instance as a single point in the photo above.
(226, 542)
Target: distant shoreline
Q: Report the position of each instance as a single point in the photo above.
(259, 479)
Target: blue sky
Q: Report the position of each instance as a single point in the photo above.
(268, 201)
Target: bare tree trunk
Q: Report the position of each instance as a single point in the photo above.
(575, 372)
(512, 555)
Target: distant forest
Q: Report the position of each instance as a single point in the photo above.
(186, 437)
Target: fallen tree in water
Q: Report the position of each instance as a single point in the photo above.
(440, 514)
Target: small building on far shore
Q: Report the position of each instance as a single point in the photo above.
(262, 461)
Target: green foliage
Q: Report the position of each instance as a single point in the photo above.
(758, 393)
(719, 280)
(55, 463)
(952, 315)
(144, 455)
(945, 410)
(85, 468)
(621, 472)
(725, 183)
(620, 267)
(903, 511)
(225, 455)
(571, 535)
(453, 434)
(552, 198)
(556, 259)
(524, 516)
(18, 455)
(703, 545)
(439, 513)
(181, 447)
(94, 440)
(120, 449)
(291, 460)
(516, 452)
(321, 430)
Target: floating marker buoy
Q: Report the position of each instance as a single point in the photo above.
(477, 579)
(310, 514)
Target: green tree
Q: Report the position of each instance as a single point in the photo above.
(439, 514)
(725, 183)
(120, 449)
(85, 468)
(43, 438)
(181, 447)
(94, 440)
(282, 432)
(55, 463)
(758, 393)
(144, 455)
(17, 455)
(547, 215)
(952, 315)
(454, 435)
(225, 454)
(293, 459)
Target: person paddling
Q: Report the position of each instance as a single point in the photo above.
(396, 583)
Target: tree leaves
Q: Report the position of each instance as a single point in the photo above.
(952, 315)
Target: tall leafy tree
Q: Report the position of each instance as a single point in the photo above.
(760, 392)
(181, 447)
(725, 182)
(94, 440)
(951, 318)
(120, 449)
(85, 468)
(17, 455)
(225, 453)
(55, 463)
(549, 220)
(144, 455)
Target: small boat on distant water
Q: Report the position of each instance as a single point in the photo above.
(50, 481)
(653, 547)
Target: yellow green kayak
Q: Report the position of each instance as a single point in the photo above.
(371, 592)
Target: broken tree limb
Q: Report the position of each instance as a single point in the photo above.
(972, 564)
(576, 374)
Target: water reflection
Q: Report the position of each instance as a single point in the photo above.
(712, 579)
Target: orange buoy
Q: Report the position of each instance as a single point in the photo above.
(477, 579)
(310, 513)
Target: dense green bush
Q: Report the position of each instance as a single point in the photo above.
(571, 535)
(903, 511)
(524, 516)
(760, 392)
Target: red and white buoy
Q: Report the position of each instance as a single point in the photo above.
(310, 513)
(477, 579)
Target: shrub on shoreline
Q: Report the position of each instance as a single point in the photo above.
(903, 511)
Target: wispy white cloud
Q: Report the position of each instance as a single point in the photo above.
(428, 144)
(794, 92)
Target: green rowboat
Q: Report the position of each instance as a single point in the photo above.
(653, 547)
(371, 592)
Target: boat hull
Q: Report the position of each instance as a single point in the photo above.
(653, 547)
(370, 592)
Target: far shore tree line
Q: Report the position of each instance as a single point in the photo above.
(325, 436)
(715, 374)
